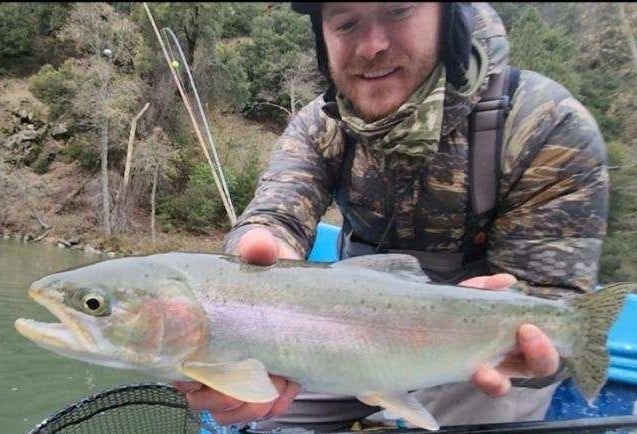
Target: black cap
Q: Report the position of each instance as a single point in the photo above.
(455, 37)
(313, 9)
(306, 8)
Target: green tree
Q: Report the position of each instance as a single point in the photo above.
(25, 39)
(19, 29)
(278, 40)
(539, 47)
(238, 17)
(229, 90)
(193, 23)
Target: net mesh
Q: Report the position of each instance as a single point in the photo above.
(139, 409)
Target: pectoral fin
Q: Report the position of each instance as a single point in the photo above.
(405, 406)
(246, 380)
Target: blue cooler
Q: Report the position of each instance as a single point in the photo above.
(324, 248)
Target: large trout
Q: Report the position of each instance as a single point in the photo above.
(370, 326)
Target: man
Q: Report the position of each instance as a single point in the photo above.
(389, 140)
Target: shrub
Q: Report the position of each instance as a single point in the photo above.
(87, 156)
(199, 207)
(43, 161)
(55, 87)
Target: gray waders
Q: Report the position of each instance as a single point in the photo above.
(450, 404)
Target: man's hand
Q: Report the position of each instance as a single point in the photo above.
(257, 246)
(534, 356)
(226, 410)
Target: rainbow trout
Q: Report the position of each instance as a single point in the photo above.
(371, 326)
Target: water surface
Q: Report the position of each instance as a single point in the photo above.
(34, 383)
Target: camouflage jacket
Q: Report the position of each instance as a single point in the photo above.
(552, 200)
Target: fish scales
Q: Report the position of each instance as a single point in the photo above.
(344, 328)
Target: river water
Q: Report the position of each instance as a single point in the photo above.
(34, 383)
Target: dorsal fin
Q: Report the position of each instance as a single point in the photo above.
(398, 264)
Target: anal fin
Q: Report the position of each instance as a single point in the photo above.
(405, 406)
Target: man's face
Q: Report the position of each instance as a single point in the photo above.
(380, 53)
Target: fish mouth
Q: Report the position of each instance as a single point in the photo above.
(66, 336)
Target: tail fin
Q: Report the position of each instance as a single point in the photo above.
(589, 365)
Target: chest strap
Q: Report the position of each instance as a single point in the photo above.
(486, 130)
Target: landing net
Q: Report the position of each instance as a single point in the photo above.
(132, 409)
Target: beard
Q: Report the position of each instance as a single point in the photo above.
(368, 111)
(373, 102)
(346, 79)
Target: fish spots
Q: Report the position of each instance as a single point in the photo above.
(525, 311)
(286, 352)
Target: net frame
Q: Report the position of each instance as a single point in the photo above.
(154, 398)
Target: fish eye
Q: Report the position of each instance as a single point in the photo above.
(94, 304)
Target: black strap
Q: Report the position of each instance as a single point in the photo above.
(486, 125)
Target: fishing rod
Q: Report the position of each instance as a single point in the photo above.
(175, 60)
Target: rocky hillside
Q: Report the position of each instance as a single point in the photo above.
(48, 196)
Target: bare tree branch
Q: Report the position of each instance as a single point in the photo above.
(129, 152)
(273, 105)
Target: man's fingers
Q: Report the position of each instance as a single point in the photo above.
(247, 412)
(227, 411)
(209, 399)
(187, 386)
(491, 382)
(540, 355)
(494, 282)
(258, 246)
(284, 400)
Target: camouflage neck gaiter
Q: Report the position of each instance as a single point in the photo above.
(413, 129)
